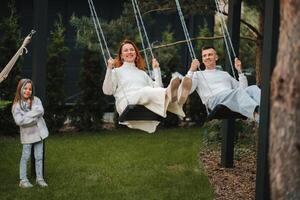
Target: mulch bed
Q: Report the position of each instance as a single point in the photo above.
(231, 183)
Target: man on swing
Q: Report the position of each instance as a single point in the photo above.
(218, 87)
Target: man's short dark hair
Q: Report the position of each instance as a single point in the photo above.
(208, 47)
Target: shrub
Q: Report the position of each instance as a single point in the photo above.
(56, 62)
(88, 111)
(7, 121)
(9, 43)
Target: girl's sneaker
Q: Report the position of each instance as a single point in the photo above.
(41, 183)
(25, 184)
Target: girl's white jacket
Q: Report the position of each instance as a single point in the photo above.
(32, 124)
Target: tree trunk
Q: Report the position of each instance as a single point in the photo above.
(259, 48)
(284, 150)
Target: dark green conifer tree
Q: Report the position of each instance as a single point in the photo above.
(56, 62)
(10, 42)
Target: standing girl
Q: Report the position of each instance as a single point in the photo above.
(28, 114)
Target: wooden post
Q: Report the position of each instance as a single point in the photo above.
(227, 146)
(40, 8)
(228, 126)
(270, 44)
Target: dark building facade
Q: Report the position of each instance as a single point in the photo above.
(110, 9)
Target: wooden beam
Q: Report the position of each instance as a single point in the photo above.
(40, 8)
(270, 45)
(40, 47)
(228, 126)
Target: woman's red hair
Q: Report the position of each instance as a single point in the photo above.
(139, 61)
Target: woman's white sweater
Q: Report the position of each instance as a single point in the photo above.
(127, 79)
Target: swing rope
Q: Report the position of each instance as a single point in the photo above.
(131, 110)
(227, 38)
(135, 8)
(186, 33)
(4, 73)
(98, 26)
(225, 26)
(143, 26)
(190, 46)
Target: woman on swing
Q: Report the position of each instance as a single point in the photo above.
(127, 80)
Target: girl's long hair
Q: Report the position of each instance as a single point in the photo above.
(139, 61)
(19, 93)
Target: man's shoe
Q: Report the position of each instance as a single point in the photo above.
(41, 183)
(172, 89)
(25, 184)
(184, 90)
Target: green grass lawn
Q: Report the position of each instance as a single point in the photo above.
(112, 165)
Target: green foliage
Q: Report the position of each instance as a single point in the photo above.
(212, 133)
(195, 109)
(3, 103)
(189, 7)
(115, 31)
(203, 32)
(85, 34)
(9, 44)
(56, 62)
(248, 48)
(255, 4)
(246, 131)
(245, 135)
(6, 120)
(88, 111)
(168, 57)
(247, 51)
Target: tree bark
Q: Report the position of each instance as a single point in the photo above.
(259, 48)
(284, 149)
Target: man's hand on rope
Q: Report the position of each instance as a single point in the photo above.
(155, 63)
(238, 65)
(194, 65)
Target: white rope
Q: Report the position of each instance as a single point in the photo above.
(143, 26)
(226, 29)
(141, 35)
(186, 33)
(97, 32)
(95, 19)
(227, 38)
(100, 28)
(190, 46)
